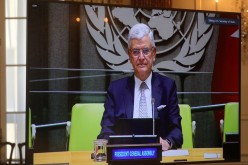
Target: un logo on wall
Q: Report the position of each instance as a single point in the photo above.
(180, 36)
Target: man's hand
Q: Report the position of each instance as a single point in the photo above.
(165, 144)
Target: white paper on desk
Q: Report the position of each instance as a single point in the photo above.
(175, 153)
(211, 155)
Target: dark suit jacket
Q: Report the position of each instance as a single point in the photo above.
(120, 102)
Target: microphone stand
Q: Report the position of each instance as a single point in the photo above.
(153, 118)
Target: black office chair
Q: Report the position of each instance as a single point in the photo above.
(9, 159)
(20, 146)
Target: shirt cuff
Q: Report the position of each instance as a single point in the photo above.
(169, 142)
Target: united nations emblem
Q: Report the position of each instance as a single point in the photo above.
(180, 36)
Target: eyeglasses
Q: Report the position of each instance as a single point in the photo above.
(136, 52)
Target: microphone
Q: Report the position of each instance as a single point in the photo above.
(153, 118)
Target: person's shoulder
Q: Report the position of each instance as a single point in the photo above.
(162, 77)
(124, 79)
(121, 81)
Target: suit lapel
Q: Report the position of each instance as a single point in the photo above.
(129, 97)
(156, 92)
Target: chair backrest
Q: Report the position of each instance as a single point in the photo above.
(9, 159)
(231, 119)
(185, 112)
(85, 126)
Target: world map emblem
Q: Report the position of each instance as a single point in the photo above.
(180, 36)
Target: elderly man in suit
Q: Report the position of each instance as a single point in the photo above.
(130, 97)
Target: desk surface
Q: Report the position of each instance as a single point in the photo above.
(83, 157)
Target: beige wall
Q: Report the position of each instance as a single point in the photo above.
(2, 71)
(222, 5)
(180, 4)
(244, 107)
(2, 77)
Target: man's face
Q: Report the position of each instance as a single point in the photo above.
(142, 55)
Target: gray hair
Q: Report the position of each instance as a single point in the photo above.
(138, 31)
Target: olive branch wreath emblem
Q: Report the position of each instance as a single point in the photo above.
(111, 50)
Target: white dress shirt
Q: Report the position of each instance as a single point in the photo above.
(137, 93)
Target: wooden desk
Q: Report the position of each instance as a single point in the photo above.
(83, 157)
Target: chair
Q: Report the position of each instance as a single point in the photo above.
(185, 112)
(9, 159)
(85, 126)
(20, 147)
(231, 119)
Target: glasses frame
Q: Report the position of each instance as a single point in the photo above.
(141, 51)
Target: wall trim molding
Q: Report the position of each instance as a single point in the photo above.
(244, 117)
(244, 157)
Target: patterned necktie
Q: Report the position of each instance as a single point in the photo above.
(143, 113)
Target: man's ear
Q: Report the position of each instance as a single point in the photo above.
(154, 51)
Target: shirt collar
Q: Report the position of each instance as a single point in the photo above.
(147, 81)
